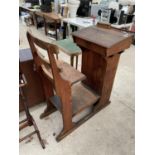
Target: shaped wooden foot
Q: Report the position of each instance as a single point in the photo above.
(49, 110)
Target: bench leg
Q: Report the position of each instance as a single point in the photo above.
(76, 61)
(72, 60)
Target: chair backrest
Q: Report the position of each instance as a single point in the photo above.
(61, 86)
(33, 41)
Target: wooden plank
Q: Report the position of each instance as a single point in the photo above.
(70, 74)
(67, 72)
(82, 97)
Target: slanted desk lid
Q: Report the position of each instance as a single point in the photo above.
(102, 37)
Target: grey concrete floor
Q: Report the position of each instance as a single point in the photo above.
(109, 132)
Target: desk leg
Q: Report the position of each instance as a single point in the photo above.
(35, 21)
(64, 30)
(100, 72)
(108, 80)
(74, 28)
(56, 30)
(45, 25)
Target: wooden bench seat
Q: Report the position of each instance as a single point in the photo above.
(67, 72)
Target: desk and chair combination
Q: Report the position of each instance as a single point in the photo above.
(70, 91)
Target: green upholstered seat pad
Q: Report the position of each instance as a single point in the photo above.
(68, 46)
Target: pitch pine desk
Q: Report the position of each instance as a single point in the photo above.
(101, 50)
(30, 11)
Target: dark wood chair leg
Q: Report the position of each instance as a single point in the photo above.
(38, 134)
(29, 121)
(36, 131)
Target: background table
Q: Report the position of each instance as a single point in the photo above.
(49, 17)
(81, 23)
(30, 11)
